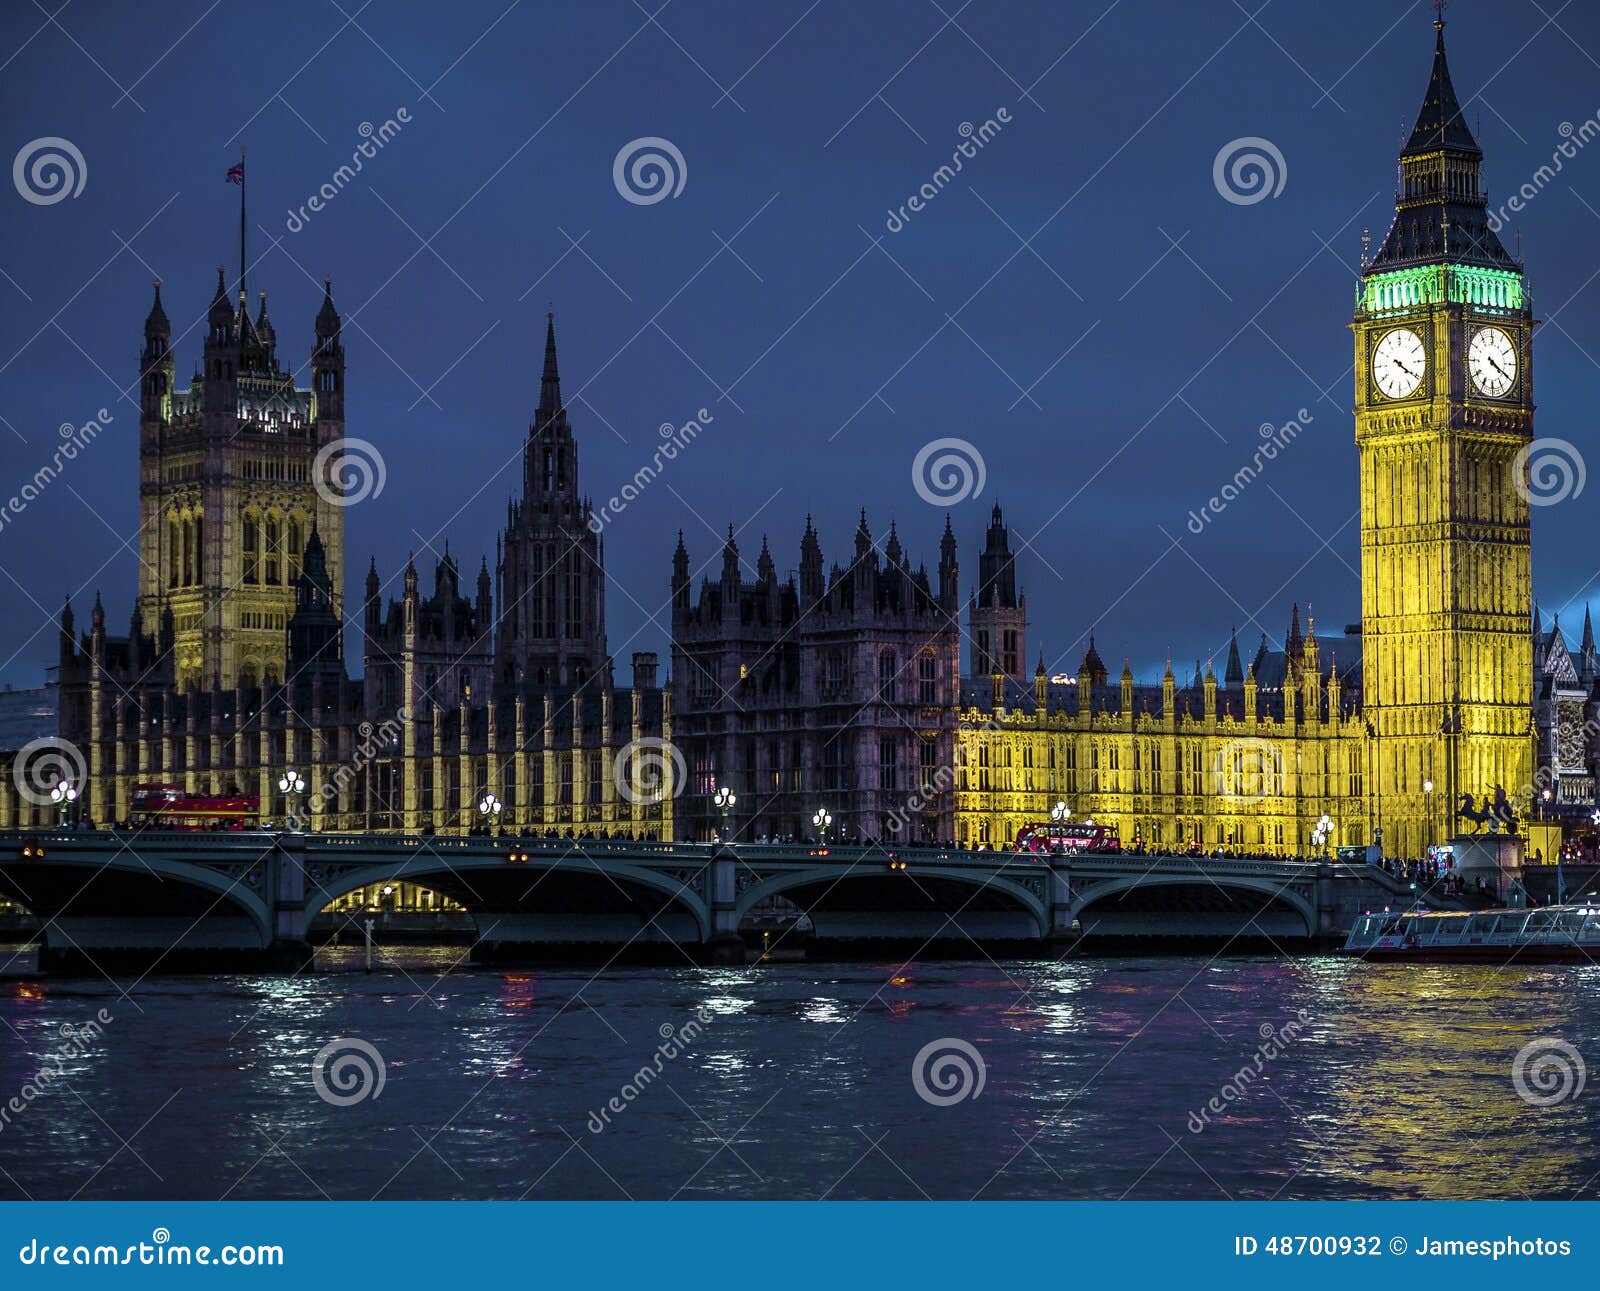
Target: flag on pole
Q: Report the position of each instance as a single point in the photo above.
(236, 173)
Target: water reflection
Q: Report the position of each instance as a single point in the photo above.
(1397, 1085)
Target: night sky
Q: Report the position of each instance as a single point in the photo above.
(1080, 303)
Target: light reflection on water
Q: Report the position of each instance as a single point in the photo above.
(1399, 1084)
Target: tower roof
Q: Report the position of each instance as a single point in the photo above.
(155, 322)
(1440, 123)
(1441, 210)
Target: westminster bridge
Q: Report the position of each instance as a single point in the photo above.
(250, 898)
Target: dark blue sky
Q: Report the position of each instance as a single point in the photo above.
(1153, 325)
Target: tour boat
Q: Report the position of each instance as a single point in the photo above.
(1548, 934)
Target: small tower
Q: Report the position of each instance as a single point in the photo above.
(996, 615)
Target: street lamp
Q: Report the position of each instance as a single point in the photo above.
(290, 783)
(489, 808)
(723, 800)
(65, 793)
(1544, 800)
(1427, 791)
(822, 820)
(1323, 832)
(1061, 813)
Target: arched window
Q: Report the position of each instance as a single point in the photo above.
(251, 524)
(296, 549)
(274, 548)
(174, 550)
(928, 679)
(886, 676)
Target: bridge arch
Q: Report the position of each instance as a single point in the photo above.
(919, 880)
(1099, 891)
(69, 885)
(454, 877)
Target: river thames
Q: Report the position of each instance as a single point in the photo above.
(1242, 1077)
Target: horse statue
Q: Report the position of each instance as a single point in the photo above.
(1494, 814)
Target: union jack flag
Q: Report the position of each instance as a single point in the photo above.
(236, 173)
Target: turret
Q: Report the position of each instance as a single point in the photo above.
(327, 363)
(730, 570)
(155, 363)
(680, 575)
(812, 585)
(1127, 688)
(1041, 687)
(485, 602)
(949, 570)
(373, 606)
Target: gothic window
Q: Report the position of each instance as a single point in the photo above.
(886, 676)
(174, 551)
(274, 545)
(1013, 664)
(251, 525)
(296, 549)
(928, 679)
(888, 763)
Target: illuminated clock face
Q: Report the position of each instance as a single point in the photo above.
(1492, 361)
(1399, 363)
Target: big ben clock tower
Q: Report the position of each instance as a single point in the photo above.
(1444, 408)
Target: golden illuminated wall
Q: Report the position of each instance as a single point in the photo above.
(1251, 783)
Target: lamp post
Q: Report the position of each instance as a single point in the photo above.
(822, 820)
(65, 793)
(1427, 797)
(489, 808)
(290, 783)
(723, 800)
(1322, 833)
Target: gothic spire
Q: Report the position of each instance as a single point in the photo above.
(1441, 209)
(1234, 676)
(550, 382)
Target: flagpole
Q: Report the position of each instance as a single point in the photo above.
(242, 177)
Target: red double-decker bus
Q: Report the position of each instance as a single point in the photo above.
(170, 806)
(1048, 836)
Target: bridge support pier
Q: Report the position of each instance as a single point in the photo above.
(1061, 935)
(726, 945)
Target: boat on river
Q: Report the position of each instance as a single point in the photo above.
(1547, 934)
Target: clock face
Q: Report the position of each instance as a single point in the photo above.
(1492, 361)
(1399, 362)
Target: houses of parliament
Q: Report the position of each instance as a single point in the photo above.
(852, 684)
